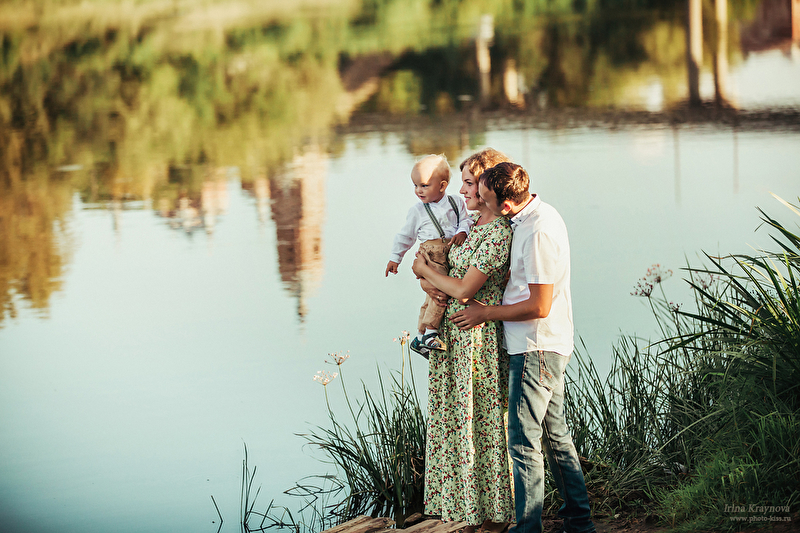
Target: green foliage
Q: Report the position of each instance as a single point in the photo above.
(762, 471)
(315, 493)
(706, 419)
(378, 447)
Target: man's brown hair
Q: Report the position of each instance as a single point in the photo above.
(478, 162)
(508, 181)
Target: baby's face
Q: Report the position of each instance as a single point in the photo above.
(427, 188)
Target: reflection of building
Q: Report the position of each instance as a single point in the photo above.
(776, 25)
(298, 209)
(694, 52)
(195, 210)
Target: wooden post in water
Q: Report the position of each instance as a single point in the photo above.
(482, 44)
(795, 10)
(694, 48)
(721, 55)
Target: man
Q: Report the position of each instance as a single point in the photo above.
(537, 322)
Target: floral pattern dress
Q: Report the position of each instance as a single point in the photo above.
(467, 475)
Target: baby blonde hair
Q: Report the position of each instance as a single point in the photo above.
(437, 165)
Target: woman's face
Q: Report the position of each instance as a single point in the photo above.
(469, 190)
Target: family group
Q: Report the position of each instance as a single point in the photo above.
(497, 330)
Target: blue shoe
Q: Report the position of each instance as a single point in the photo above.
(420, 348)
(433, 342)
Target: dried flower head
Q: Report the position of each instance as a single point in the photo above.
(325, 377)
(704, 282)
(655, 275)
(403, 338)
(642, 288)
(338, 358)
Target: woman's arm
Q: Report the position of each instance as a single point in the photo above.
(438, 297)
(462, 289)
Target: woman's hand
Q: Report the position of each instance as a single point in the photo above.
(420, 264)
(436, 295)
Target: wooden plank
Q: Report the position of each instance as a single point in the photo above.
(366, 524)
(416, 517)
(362, 524)
(424, 526)
(449, 527)
(372, 526)
(341, 528)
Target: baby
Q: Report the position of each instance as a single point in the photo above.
(438, 222)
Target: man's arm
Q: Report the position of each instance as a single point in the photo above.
(536, 306)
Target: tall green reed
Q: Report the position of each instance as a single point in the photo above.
(314, 493)
(377, 445)
(707, 417)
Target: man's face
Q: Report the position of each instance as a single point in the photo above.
(490, 198)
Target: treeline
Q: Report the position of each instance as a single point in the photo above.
(131, 101)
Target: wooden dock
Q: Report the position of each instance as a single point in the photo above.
(367, 524)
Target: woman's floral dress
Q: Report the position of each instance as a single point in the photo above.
(467, 467)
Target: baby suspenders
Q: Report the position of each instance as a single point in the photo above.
(436, 222)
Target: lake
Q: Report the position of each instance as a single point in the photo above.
(197, 204)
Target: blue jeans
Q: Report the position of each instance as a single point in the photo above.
(535, 420)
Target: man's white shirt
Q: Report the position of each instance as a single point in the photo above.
(540, 255)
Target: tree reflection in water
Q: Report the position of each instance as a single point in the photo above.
(153, 103)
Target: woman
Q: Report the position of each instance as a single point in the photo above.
(466, 468)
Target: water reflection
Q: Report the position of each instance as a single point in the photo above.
(298, 209)
(35, 244)
(190, 208)
(775, 25)
(159, 128)
(146, 114)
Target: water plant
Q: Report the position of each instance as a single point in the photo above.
(314, 493)
(705, 419)
(378, 446)
(697, 428)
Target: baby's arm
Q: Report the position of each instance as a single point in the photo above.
(391, 267)
(403, 241)
(459, 238)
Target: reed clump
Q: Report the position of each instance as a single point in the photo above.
(700, 429)
(378, 446)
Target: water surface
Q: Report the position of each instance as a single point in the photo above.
(194, 218)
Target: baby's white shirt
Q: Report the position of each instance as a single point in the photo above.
(419, 227)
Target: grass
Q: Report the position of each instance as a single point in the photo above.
(706, 419)
(313, 513)
(699, 430)
(378, 447)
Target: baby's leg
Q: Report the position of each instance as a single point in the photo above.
(436, 253)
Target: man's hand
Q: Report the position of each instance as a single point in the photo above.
(458, 239)
(391, 267)
(471, 316)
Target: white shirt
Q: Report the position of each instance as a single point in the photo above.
(540, 255)
(419, 226)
